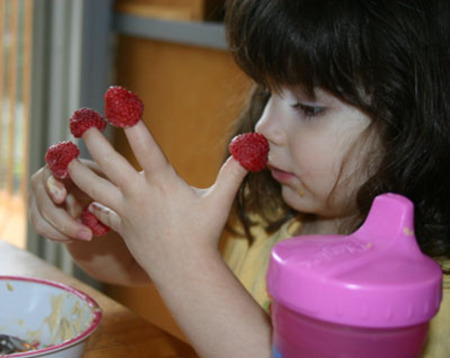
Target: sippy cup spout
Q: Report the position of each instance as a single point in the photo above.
(390, 219)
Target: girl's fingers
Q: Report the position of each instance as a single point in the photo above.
(53, 187)
(105, 215)
(147, 152)
(113, 165)
(228, 181)
(94, 186)
(55, 223)
(56, 190)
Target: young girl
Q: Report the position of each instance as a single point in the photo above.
(353, 98)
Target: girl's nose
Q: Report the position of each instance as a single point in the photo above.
(270, 125)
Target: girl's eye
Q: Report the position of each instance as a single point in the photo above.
(309, 111)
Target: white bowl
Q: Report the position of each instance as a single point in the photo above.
(58, 317)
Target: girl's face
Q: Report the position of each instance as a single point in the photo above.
(314, 150)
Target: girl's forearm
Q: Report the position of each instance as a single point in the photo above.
(216, 313)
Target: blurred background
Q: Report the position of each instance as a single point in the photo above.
(60, 55)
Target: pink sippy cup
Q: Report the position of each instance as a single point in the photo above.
(369, 294)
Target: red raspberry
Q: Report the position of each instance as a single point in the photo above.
(122, 107)
(59, 156)
(90, 220)
(84, 119)
(251, 150)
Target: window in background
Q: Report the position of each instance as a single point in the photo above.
(15, 64)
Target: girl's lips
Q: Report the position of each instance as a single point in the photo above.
(280, 175)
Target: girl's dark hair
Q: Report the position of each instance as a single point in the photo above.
(390, 59)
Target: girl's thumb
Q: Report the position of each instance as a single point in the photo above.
(228, 181)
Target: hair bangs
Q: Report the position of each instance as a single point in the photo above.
(298, 44)
(264, 41)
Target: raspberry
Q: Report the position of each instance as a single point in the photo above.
(90, 220)
(59, 156)
(251, 150)
(122, 107)
(84, 119)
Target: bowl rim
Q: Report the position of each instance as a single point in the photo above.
(96, 310)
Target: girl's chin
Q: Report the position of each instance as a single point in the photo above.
(302, 201)
(307, 203)
(295, 198)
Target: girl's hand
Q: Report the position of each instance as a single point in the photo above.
(172, 230)
(164, 221)
(54, 209)
(55, 205)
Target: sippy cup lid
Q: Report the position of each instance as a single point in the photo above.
(375, 277)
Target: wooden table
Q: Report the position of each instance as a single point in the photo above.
(121, 333)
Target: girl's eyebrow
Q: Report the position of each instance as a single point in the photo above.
(298, 91)
(319, 95)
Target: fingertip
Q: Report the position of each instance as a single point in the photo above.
(91, 131)
(99, 210)
(236, 167)
(92, 137)
(56, 190)
(85, 234)
(72, 165)
(231, 175)
(72, 162)
(104, 220)
(137, 127)
(95, 207)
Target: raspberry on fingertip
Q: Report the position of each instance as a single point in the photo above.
(251, 150)
(59, 156)
(123, 108)
(85, 118)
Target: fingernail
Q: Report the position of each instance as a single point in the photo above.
(94, 206)
(56, 189)
(85, 235)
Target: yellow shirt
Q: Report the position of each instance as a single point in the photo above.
(249, 263)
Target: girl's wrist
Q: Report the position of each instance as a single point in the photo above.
(185, 265)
